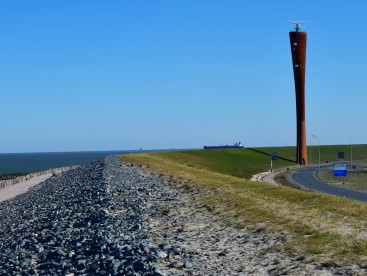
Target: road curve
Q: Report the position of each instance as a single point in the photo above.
(306, 178)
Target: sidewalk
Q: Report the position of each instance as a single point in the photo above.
(267, 177)
(21, 187)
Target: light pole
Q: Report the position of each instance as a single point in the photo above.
(312, 137)
(318, 147)
(351, 158)
(310, 162)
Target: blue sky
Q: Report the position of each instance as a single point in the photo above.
(114, 75)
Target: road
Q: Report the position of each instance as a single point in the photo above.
(306, 178)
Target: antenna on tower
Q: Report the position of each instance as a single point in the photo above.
(297, 24)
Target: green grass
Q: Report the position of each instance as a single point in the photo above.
(356, 179)
(237, 162)
(330, 227)
(247, 162)
(330, 153)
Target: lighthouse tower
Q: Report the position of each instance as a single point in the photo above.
(298, 41)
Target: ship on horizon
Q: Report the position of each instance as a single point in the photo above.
(235, 146)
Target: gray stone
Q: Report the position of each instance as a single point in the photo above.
(176, 264)
(162, 254)
(188, 264)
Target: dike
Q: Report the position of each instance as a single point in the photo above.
(113, 218)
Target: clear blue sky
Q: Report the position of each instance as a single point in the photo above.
(111, 75)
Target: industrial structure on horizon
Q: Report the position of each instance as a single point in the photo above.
(298, 41)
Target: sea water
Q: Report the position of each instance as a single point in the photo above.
(34, 162)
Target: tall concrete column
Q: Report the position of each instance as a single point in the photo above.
(298, 41)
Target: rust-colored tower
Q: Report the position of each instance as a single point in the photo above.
(298, 41)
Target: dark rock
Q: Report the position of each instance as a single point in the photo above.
(139, 266)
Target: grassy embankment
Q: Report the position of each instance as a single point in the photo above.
(330, 227)
(356, 179)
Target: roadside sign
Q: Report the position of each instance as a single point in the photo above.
(340, 169)
(274, 156)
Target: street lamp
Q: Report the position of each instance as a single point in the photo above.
(310, 152)
(313, 136)
(351, 158)
(318, 147)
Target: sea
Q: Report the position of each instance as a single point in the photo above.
(35, 162)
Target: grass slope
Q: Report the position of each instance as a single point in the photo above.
(237, 162)
(330, 227)
(330, 153)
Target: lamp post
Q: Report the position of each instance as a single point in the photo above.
(318, 147)
(310, 152)
(313, 136)
(351, 158)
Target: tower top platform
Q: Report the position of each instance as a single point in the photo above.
(297, 24)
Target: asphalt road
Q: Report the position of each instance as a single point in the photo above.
(306, 178)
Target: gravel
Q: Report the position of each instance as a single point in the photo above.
(113, 218)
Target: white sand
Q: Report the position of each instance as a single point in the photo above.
(21, 187)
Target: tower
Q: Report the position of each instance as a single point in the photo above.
(298, 41)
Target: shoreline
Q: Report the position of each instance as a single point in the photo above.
(21, 184)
